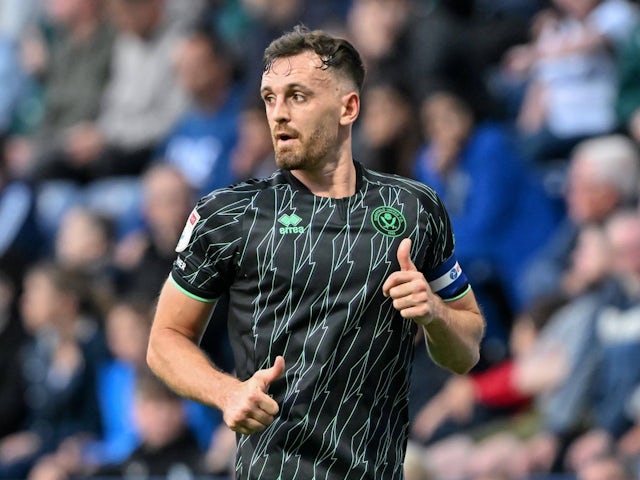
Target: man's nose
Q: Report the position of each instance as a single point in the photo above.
(281, 111)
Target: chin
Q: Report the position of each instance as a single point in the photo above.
(288, 163)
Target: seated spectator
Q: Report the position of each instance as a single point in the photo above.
(127, 332)
(140, 103)
(602, 177)
(76, 68)
(467, 401)
(499, 211)
(553, 373)
(253, 154)
(375, 28)
(387, 136)
(84, 243)
(618, 343)
(200, 144)
(167, 446)
(571, 71)
(58, 366)
(146, 254)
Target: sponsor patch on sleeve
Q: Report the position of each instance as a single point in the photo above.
(185, 237)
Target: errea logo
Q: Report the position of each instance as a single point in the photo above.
(290, 224)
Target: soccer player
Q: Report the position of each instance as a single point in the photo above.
(331, 269)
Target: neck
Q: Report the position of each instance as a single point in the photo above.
(333, 180)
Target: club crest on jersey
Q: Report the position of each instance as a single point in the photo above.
(290, 224)
(185, 237)
(388, 221)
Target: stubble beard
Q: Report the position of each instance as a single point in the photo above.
(309, 155)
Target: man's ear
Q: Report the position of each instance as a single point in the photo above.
(350, 108)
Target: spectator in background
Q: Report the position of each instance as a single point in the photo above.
(200, 144)
(253, 154)
(268, 19)
(84, 243)
(387, 137)
(618, 342)
(468, 401)
(145, 254)
(59, 368)
(167, 447)
(499, 213)
(127, 331)
(375, 28)
(76, 69)
(602, 177)
(442, 46)
(554, 371)
(571, 70)
(164, 446)
(141, 100)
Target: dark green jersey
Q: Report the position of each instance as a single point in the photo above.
(305, 276)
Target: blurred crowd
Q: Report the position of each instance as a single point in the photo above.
(524, 116)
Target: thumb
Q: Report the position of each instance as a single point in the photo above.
(268, 375)
(404, 258)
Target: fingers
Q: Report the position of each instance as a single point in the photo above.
(268, 405)
(249, 408)
(248, 427)
(251, 414)
(401, 283)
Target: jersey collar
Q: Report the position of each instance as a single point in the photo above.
(301, 187)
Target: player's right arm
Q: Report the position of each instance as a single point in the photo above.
(175, 357)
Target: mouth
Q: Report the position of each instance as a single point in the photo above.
(284, 137)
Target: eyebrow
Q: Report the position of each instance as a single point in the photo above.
(288, 87)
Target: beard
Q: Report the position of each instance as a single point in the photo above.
(306, 154)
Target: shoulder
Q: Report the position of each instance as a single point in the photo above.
(403, 185)
(241, 195)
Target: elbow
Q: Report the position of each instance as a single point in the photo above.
(152, 358)
(463, 367)
(462, 364)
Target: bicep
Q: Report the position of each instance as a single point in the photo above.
(179, 312)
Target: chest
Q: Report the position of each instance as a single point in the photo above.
(303, 242)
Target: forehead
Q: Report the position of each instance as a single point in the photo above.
(304, 68)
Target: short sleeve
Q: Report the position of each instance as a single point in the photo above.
(208, 248)
(441, 268)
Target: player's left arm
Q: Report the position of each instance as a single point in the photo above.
(453, 329)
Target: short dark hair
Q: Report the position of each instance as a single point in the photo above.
(335, 53)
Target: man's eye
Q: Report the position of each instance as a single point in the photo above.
(298, 97)
(268, 99)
